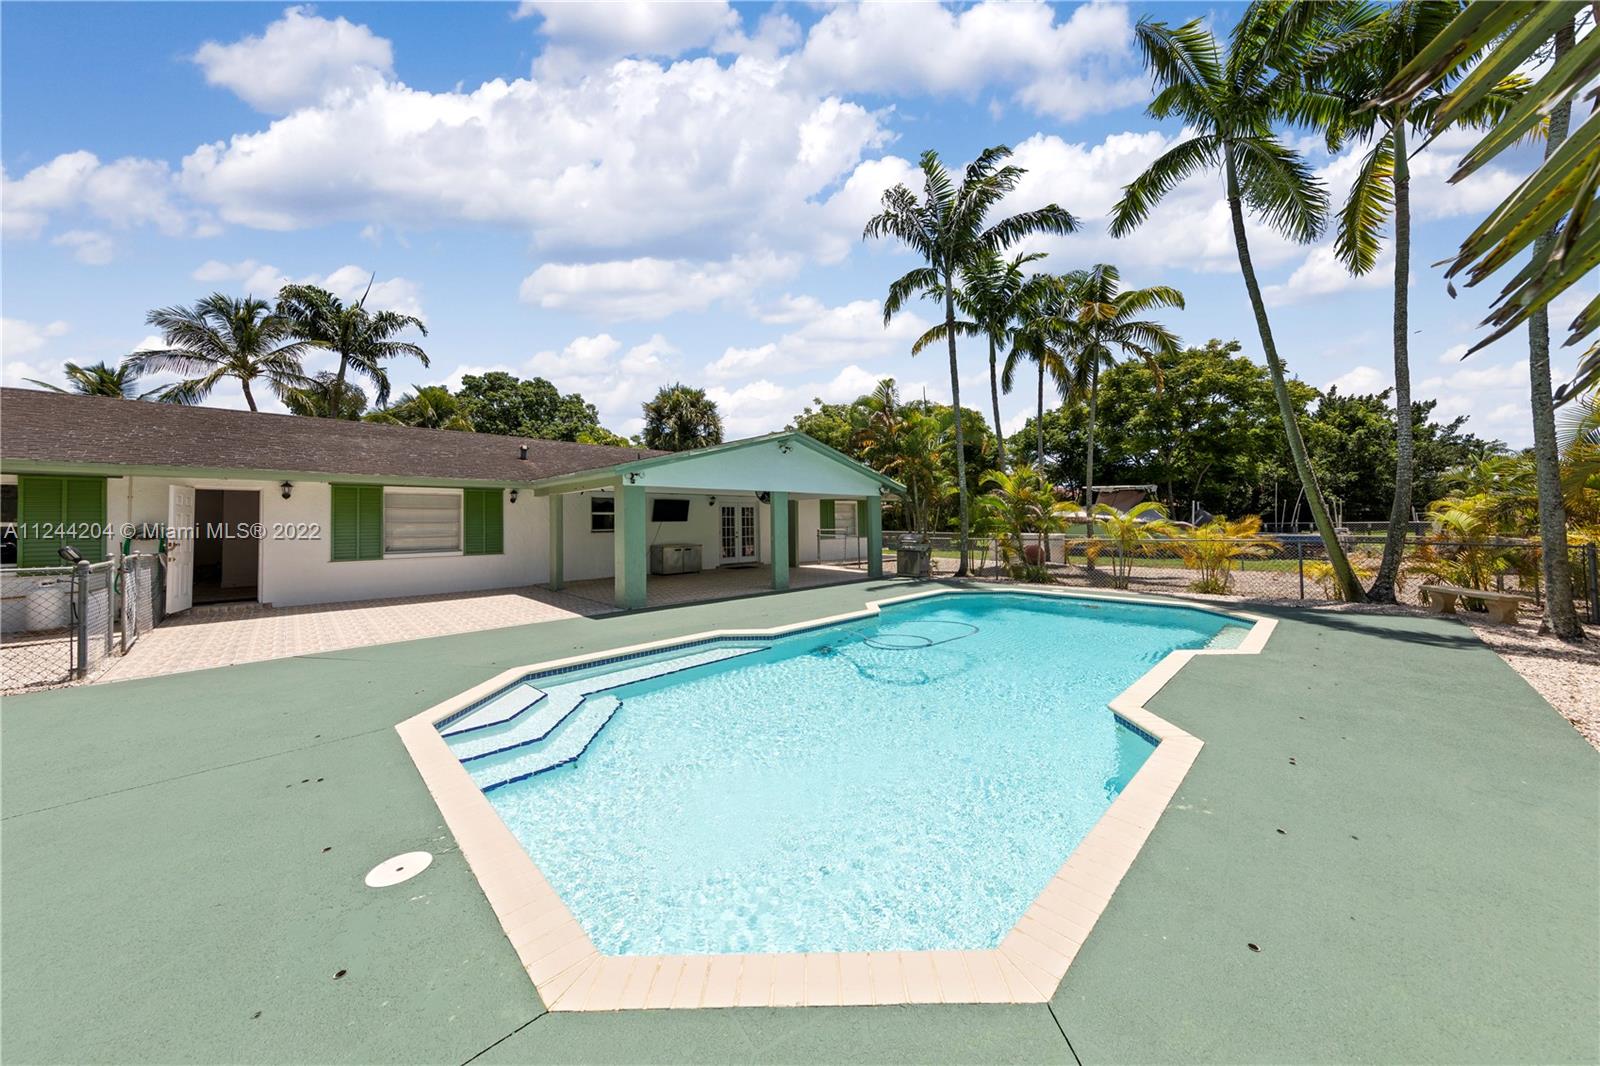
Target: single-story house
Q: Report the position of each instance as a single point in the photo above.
(289, 510)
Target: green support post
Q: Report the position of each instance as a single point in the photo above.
(558, 529)
(779, 530)
(628, 548)
(874, 513)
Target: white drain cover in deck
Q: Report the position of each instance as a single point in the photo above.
(398, 869)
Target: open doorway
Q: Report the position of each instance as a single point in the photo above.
(227, 550)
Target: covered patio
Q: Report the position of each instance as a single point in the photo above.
(760, 507)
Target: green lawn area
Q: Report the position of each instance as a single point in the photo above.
(1404, 829)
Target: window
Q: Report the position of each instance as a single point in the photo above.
(421, 521)
(602, 514)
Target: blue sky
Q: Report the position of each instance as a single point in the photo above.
(616, 197)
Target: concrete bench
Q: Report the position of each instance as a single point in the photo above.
(1502, 606)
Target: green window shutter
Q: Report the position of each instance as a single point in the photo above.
(472, 521)
(826, 519)
(84, 515)
(356, 522)
(861, 516)
(494, 522)
(39, 501)
(370, 539)
(48, 508)
(483, 522)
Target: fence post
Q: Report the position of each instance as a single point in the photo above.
(111, 608)
(1300, 553)
(1592, 564)
(80, 595)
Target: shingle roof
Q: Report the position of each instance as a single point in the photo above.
(92, 430)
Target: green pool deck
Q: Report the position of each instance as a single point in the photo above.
(1405, 830)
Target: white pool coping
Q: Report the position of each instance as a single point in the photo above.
(570, 974)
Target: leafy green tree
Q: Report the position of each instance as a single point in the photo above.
(1353, 66)
(429, 407)
(1229, 100)
(222, 337)
(97, 379)
(948, 229)
(498, 402)
(679, 418)
(602, 435)
(1045, 333)
(363, 340)
(315, 399)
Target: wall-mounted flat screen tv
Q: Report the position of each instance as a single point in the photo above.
(663, 510)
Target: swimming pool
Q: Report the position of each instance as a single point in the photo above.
(905, 782)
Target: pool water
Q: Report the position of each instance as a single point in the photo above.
(908, 782)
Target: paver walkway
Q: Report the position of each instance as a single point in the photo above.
(227, 635)
(181, 879)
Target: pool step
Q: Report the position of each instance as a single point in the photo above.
(500, 709)
(552, 706)
(564, 747)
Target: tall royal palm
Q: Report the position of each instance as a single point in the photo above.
(363, 340)
(1228, 101)
(1349, 68)
(1108, 325)
(948, 227)
(97, 379)
(218, 338)
(1044, 334)
(991, 297)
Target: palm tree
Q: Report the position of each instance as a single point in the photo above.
(1020, 502)
(97, 379)
(680, 418)
(947, 228)
(1106, 326)
(1132, 532)
(222, 337)
(1353, 67)
(430, 407)
(315, 399)
(364, 340)
(991, 296)
(1228, 102)
(1044, 334)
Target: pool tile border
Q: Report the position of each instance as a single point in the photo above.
(570, 974)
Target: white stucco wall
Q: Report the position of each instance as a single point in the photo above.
(298, 571)
(589, 555)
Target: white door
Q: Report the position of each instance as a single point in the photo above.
(739, 535)
(180, 548)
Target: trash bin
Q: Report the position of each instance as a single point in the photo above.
(911, 557)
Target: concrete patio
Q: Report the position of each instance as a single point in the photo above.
(227, 635)
(1388, 850)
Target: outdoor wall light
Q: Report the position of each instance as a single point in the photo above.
(784, 448)
(711, 501)
(288, 488)
(632, 478)
(513, 495)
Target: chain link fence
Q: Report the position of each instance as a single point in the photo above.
(1289, 566)
(64, 623)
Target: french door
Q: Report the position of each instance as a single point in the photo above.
(739, 534)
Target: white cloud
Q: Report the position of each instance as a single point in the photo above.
(300, 59)
(647, 287)
(349, 282)
(1321, 274)
(852, 332)
(126, 192)
(19, 337)
(630, 27)
(693, 155)
(1081, 65)
(1361, 380)
(616, 379)
(763, 405)
(88, 246)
